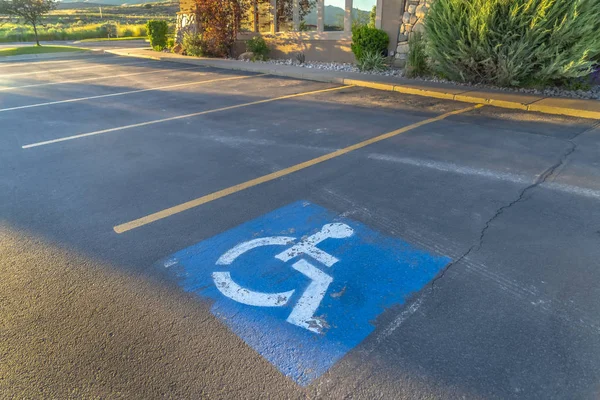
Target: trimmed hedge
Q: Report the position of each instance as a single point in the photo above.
(157, 33)
(513, 43)
(366, 39)
(259, 47)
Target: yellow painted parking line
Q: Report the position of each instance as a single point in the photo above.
(96, 78)
(160, 121)
(278, 174)
(178, 85)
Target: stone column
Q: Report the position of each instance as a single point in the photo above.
(412, 21)
(186, 22)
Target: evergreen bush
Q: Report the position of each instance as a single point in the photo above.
(157, 33)
(368, 39)
(513, 42)
(416, 63)
(258, 46)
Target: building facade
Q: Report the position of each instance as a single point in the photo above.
(321, 29)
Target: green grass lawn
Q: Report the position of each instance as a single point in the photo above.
(18, 51)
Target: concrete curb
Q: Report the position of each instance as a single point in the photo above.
(589, 109)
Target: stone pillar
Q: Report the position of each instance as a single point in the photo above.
(412, 21)
(186, 22)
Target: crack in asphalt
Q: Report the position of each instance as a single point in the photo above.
(542, 178)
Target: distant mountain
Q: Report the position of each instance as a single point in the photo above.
(97, 3)
(334, 16)
(77, 4)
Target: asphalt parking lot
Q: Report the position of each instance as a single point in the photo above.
(471, 268)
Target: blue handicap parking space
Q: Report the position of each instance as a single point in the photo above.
(303, 285)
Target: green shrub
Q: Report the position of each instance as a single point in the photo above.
(367, 39)
(577, 83)
(170, 43)
(416, 63)
(107, 30)
(192, 44)
(513, 43)
(372, 61)
(258, 46)
(157, 32)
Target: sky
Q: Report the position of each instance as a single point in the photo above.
(366, 5)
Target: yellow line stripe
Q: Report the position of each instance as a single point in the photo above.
(278, 174)
(158, 121)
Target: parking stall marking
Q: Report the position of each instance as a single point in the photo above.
(178, 117)
(125, 227)
(95, 78)
(487, 173)
(308, 289)
(178, 85)
(8, 64)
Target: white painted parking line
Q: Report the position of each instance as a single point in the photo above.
(99, 65)
(454, 168)
(197, 114)
(576, 190)
(97, 78)
(7, 64)
(179, 85)
(486, 173)
(400, 319)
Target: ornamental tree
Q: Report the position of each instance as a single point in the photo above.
(31, 11)
(219, 22)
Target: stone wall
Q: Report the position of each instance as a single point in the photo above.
(186, 22)
(412, 21)
(186, 19)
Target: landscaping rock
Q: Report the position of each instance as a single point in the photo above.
(402, 48)
(178, 49)
(419, 27)
(421, 11)
(412, 19)
(246, 56)
(332, 66)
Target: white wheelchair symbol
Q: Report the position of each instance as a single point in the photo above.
(302, 314)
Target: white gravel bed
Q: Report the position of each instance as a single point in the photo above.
(332, 66)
